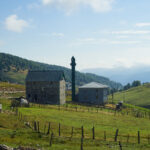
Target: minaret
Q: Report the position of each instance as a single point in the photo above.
(73, 64)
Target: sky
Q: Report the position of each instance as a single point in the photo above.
(99, 33)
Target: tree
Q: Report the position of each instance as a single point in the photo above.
(136, 83)
(126, 87)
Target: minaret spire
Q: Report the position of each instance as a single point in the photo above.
(73, 64)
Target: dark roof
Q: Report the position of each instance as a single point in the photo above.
(94, 85)
(45, 75)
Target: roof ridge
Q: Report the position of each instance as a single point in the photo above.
(94, 85)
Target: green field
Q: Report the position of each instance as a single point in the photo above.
(17, 128)
(139, 96)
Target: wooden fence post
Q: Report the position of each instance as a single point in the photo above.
(82, 132)
(81, 143)
(116, 135)
(51, 138)
(49, 125)
(138, 137)
(35, 128)
(93, 130)
(120, 145)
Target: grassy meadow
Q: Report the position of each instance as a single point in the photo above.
(139, 96)
(17, 126)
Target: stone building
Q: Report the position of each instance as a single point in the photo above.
(93, 93)
(46, 87)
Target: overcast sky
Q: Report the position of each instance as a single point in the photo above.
(99, 33)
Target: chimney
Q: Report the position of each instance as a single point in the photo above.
(73, 64)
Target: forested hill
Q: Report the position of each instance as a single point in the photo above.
(14, 69)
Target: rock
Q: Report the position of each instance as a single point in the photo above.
(5, 147)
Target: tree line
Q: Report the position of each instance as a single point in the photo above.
(10, 63)
(133, 84)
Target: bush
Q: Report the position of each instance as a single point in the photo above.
(15, 103)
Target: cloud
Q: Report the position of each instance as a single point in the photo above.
(131, 32)
(97, 41)
(143, 24)
(124, 42)
(122, 62)
(14, 24)
(122, 36)
(91, 41)
(33, 5)
(71, 5)
(59, 35)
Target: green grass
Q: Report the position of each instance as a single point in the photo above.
(6, 86)
(14, 132)
(18, 77)
(139, 96)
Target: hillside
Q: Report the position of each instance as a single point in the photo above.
(35, 125)
(14, 69)
(139, 96)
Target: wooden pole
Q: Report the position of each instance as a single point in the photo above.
(120, 145)
(116, 135)
(51, 138)
(93, 131)
(82, 132)
(35, 128)
(49, 125)
(81, 143)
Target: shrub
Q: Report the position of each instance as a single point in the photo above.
(15, 103)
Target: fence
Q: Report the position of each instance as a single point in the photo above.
(59, 131)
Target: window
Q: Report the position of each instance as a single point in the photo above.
(29, 95)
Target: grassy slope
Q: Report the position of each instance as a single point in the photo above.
(139, 96)
(13, 132)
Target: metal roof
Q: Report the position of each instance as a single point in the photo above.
(45, 75)
(94, 85)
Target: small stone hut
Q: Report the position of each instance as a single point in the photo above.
(46, 87)
(93, 93)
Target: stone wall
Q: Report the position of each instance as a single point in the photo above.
(92, 95)
(62, 92)
(45, 92)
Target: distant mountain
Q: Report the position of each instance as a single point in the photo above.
(124, 75)
(14, 69)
